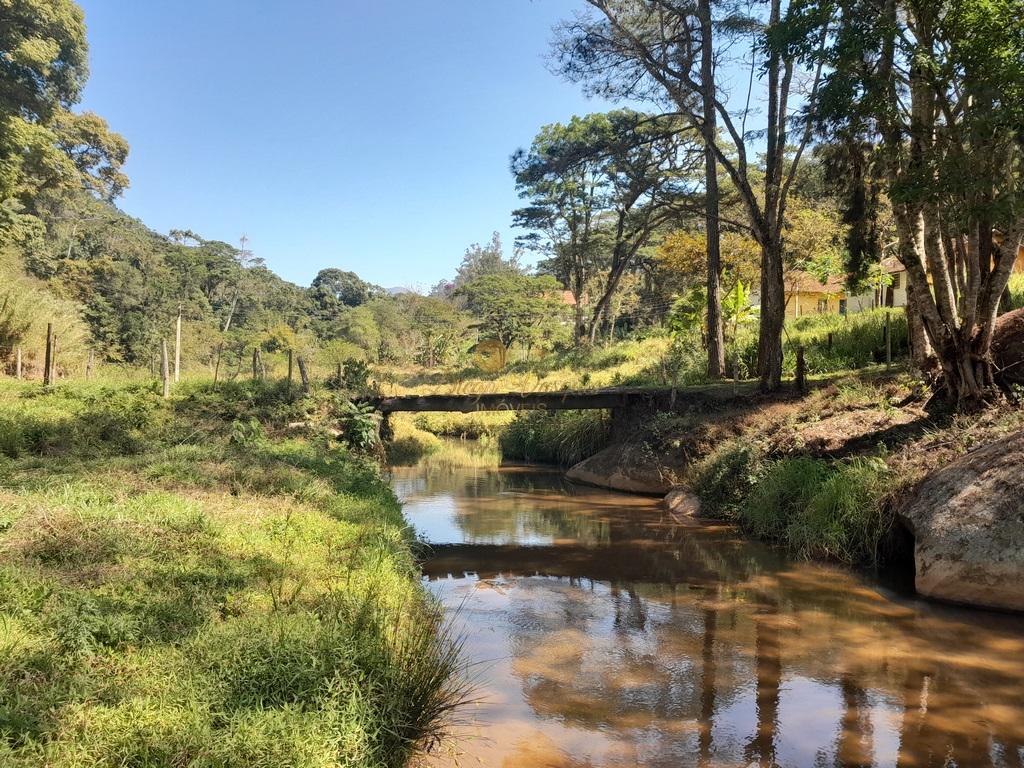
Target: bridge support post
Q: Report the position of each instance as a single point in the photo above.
(386, 430)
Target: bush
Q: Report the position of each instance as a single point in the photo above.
(726, 476)
(559, 437)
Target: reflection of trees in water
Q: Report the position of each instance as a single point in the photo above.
(768, 675)
(685, 624)
(664, 664)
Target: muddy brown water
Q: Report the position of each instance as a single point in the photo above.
(601, 631)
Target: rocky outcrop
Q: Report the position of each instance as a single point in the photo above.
(632, 467)
(967, 520)
(1008, 348)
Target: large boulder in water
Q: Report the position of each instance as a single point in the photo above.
(630, 466)
(968, 525)
(1008, 348)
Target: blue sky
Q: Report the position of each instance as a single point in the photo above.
(372, 136)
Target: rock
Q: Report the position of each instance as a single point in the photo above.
(967, 520)
(630, 467)
(1008, 348)
(682, 502)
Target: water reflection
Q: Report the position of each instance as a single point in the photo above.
(611, 634)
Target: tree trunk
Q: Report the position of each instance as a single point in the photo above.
(715, 329)
(772, 319)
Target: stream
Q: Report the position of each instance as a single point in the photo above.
(601, 631)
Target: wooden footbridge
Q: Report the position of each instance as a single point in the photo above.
(628, 405)
(563, 400)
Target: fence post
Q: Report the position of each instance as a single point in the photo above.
(255, 363)
(17, 364)
(216, 365)
(48, 359)
(888, 339)
(801, 371)
(88, 366)
(830, 341)
(303, 373)
(177, 347)
(290, 354)
(165, 373)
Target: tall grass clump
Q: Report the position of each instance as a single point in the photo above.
(724, 478)
(820, 510)
(785, 488)
(858, 340)
(846, 519)
(1016, 292)
(409, 443)
(559, 437)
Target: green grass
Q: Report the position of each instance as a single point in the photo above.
(170, 597)
(814, 508)
(724, 478)
(1016, 289)
(559, 437)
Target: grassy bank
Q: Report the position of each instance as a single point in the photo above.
(824, 476)
(178, 588)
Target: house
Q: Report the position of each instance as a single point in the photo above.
(892, 295)
(806, 295)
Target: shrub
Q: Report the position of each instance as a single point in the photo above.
(786, 488)
(725, 477)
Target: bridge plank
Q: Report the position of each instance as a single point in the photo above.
(592, 399)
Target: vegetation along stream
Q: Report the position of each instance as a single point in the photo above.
(601, 631)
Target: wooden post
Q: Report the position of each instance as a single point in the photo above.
(801, 371)
(255, 363)
(88, 366)
(165, 373)
(303, 373)
(177, 347)
(216, 365)
(338, 376)
(888, 339)
(830, 341)
(290, 354)
(48, 359)
(17, 363)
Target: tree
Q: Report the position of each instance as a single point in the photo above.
(617, 176)
(96, 152)
(681, 259)
(439, 325)
(480, 260)
(333, 289)
(43, 146)
(649, 49)
(512, 306)
(938, 89)
(43, 58)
